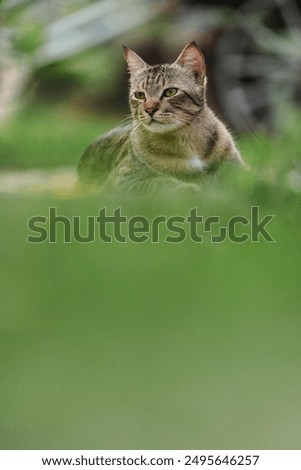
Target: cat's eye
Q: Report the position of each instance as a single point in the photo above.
(170, 92)
(139, 95)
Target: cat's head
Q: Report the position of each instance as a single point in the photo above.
(167, 97)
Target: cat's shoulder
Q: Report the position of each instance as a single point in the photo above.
(103, 154)
(118, 135)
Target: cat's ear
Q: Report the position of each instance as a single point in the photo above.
(192, 59)
(135, 63)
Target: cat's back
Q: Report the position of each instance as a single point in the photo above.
(104, 154)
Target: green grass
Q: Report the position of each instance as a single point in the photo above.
(44, 137)
(152, 346)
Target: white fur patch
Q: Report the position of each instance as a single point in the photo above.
(196, 163)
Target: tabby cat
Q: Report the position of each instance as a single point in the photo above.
(174, 138)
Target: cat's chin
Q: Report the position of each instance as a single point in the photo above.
(160, 127)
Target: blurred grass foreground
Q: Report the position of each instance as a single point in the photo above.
(146, 345)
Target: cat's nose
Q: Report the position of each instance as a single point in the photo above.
(151, 107)
(151, 111)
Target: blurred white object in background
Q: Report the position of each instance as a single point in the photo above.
(13, 74)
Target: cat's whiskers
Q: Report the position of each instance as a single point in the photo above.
(137, 124)
(123, 122)
(127, 120)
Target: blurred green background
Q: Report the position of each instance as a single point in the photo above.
(146, 346)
